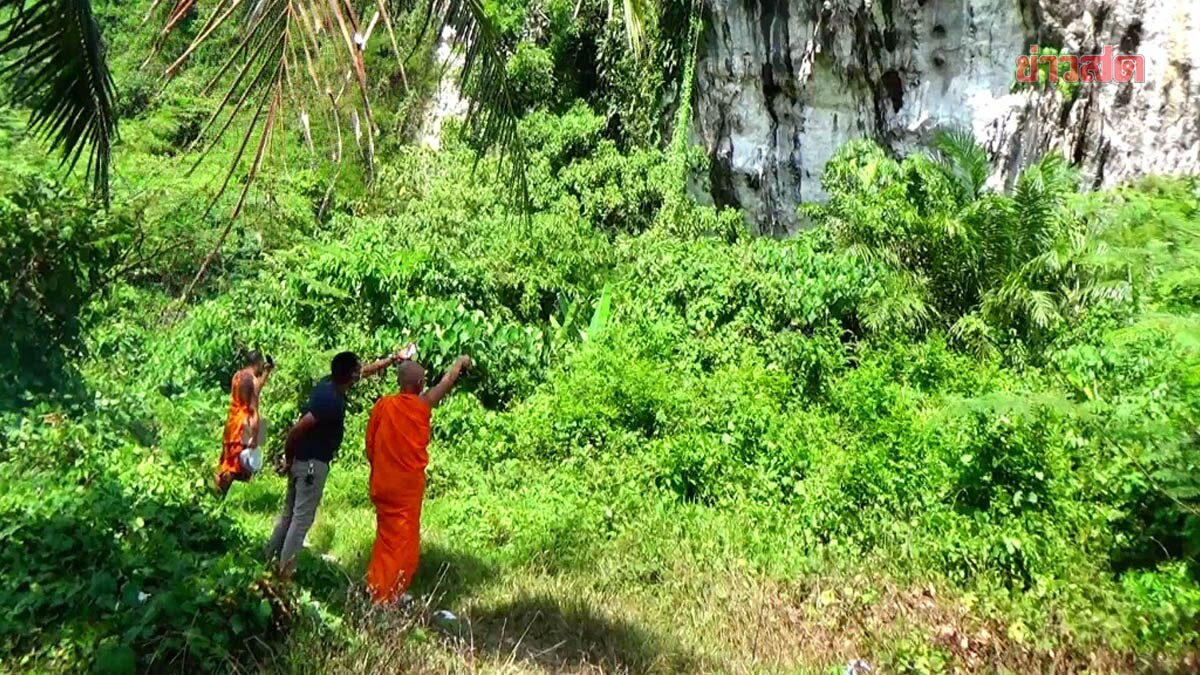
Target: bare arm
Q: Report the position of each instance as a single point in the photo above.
(261, 380)
(248, 390)
(378, 366)
(434, 395)
(258, 381)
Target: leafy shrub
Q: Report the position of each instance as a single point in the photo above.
(618, 192)
(1006, 464)
(1166, 602)
(531, 75)
(996, 269)
(56, 252)
(721, 296)
(108, 556)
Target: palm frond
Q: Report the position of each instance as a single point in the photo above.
(59, 70)
(902, 305)
(1114, 291)
(297, 54)
(636, 14)
(1037, 206)
(492, 111)
(1041, 309)
(1041, 195)
(276, 63)
(974, 334)
(963, 160)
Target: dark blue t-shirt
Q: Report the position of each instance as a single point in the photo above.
(328, 406)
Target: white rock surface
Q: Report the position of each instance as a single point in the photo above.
(447, 102)
(896, 70)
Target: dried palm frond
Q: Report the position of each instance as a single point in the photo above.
(301, 55)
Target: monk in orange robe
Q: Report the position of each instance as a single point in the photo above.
(243, 423)
(397, 442)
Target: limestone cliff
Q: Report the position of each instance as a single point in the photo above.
(782, 83)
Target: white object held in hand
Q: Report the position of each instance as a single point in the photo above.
(251, 455)
(251, 459)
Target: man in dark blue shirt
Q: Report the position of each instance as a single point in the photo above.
(311, 445)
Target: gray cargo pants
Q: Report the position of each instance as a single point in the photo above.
(306, 484)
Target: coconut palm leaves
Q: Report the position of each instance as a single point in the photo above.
(296, 62)
(963, 160)
(306, 63)
(55, 58)
(492, 111)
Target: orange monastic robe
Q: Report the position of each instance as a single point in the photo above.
(397, 442)
(233, 441)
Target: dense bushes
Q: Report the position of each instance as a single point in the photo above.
(55, 253)
(995, 391)
(109, 555)
(1001, 271)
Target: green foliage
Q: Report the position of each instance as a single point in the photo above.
(56, 253)
(531, 72)
(1002, 272)
(940, 382)
(600, 317)
(55, 56)
(1005, 464)
(108, 556)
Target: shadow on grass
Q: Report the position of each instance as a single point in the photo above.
(446, 576)
(263, 496)
(540, 631)
(327, 580)
(560, 635)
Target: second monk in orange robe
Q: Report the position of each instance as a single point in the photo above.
(243, 421)
(397, 442)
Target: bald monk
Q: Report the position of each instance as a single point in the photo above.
(243, 421)
(397, 438)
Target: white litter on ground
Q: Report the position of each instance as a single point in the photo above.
(858, 667)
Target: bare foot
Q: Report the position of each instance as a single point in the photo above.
(223, 481)
(287, 570)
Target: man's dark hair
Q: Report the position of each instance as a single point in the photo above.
(253, 357)
(341, 370)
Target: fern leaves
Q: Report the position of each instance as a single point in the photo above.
(991, 267)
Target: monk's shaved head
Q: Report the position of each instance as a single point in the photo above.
(411, 377)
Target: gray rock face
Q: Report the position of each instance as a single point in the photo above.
(781, 84)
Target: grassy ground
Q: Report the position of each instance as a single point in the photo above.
(691, 614)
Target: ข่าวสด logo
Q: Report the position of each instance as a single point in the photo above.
(1047, 65)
